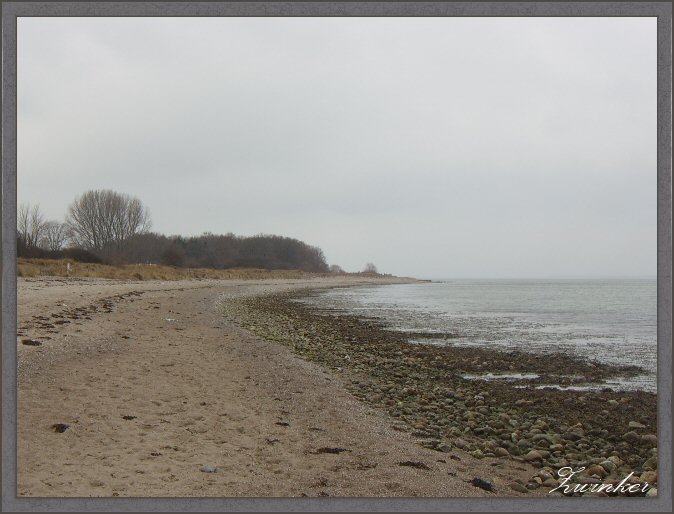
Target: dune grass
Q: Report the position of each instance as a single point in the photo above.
(58, 268)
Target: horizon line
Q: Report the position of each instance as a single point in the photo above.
(567, 277)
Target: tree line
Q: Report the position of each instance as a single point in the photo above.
(114, 228)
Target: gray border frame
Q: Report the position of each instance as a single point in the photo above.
(12, 10)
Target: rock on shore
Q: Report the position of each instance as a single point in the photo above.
(421, 386)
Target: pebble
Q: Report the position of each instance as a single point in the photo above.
(533, 455)
(616, 460)
(596, 470)
(482, 422)
(483, 484)
(477, 454)
(587, 480)
(207, 468)
(652, 462)
(501, 452)
(650, 439)
(573, 436)
(631, 437)
(608, 465)
(544, 474)
(518, 487)
(649, 476)
(550, 482)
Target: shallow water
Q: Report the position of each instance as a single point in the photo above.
(610, 321)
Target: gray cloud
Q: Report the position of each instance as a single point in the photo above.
(441, 147)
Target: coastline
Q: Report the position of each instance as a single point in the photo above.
(609, 433)
(158, 389)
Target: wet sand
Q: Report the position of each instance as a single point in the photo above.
(158, 389)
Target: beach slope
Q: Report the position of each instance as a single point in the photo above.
(144, 389)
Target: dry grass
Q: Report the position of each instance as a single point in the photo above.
(58, 268)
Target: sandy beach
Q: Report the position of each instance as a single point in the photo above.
(165, 397)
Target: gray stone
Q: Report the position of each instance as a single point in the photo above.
(550, 482)
(649, 439)
(533, 455)
(596, 470)
(518, 487)
(544, 474)
(649, 476)
(616, 460)
(652, 462)
(631, 437)
(477, 454)
(572, 436)
(501, 452)
(460, 443)
(608, 465)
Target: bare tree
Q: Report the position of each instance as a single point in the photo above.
(336, 269)
(30, 225)
(22, 217)
(103, 219)
(54, 236)
(370, 268)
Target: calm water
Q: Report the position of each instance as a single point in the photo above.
(612, 321)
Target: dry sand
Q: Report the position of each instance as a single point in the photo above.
(204, 392)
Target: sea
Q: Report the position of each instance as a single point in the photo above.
(612, 321)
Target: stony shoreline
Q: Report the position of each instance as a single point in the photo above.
(609, 433)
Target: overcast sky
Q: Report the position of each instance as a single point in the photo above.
(433, 147)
